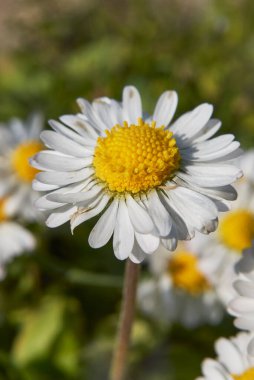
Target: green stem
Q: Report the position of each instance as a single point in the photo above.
(118, 365)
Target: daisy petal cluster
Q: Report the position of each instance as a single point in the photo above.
(14, 238)
(235, 231)
(242, 307)
(19, 141)
(152, 180)
(233, 361)
(182, 288)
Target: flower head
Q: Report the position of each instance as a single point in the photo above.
(242, 307)
(14, 239)
(182, 287)
(19, 142)
(233, 362)
(154, 181)
(235, 231)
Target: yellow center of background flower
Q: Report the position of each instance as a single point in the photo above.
(20, 160)
(3, 215)
(236, 230)
(247, 375)
(186, 275)
(134, 158)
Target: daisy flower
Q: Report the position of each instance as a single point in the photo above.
(14, 239)
(233, 361)
(243, 305)
(182, 288)
(153, 181)
(235, 231)
(18, 142)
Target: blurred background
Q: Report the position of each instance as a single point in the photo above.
(59, 306)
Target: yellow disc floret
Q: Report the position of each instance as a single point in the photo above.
(135, 158)
(247, 375)
(186, 275)
(3, 215)
(20, 160)
(236, 230)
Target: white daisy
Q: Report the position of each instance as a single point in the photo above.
(233, 361)
(153, 181)
(18, 142)
(14, 239)
(182, 288)
(235, 231)
(243, 305)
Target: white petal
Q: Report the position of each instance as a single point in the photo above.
(103, 229)
(244, 288)
(243, 323)
(61, 216)
(165, 108)
(102, 109)
(70, 134)
(139, 217)
(52, 161)
(63, 144)
(210, 175)
(73, 197)
(191, 123)
(209, 130)
(180, 229)
(123, 234)
(137, 255)
(196, 209)
(169, 244)
(132, 106)
(39, 186)
(79, 125)
(46, 202)
(147, 242)
(89, 212)
(229, 355)
(193, 153)
(242, 305)
(159, 214)
(251, 347)
(90, 115)
(64, 178)
(214, 370)
(227, 192)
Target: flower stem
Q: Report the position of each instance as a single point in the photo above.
(119, 360)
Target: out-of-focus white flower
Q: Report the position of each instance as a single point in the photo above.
(14, 239)
(19, 141)
(243, 306)
(235, 231)
(182, 288)
(153, 181)
(233, 361)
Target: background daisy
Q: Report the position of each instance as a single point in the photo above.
(14, 239)
(233, 361)
(18, 142)
(235, 232)
(182, 288)
(243, 305)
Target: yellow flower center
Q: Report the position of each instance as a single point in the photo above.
(186, 275)
(247, 375)
(20, 160)
(236, 230)
(134, 158)
(3, 215)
